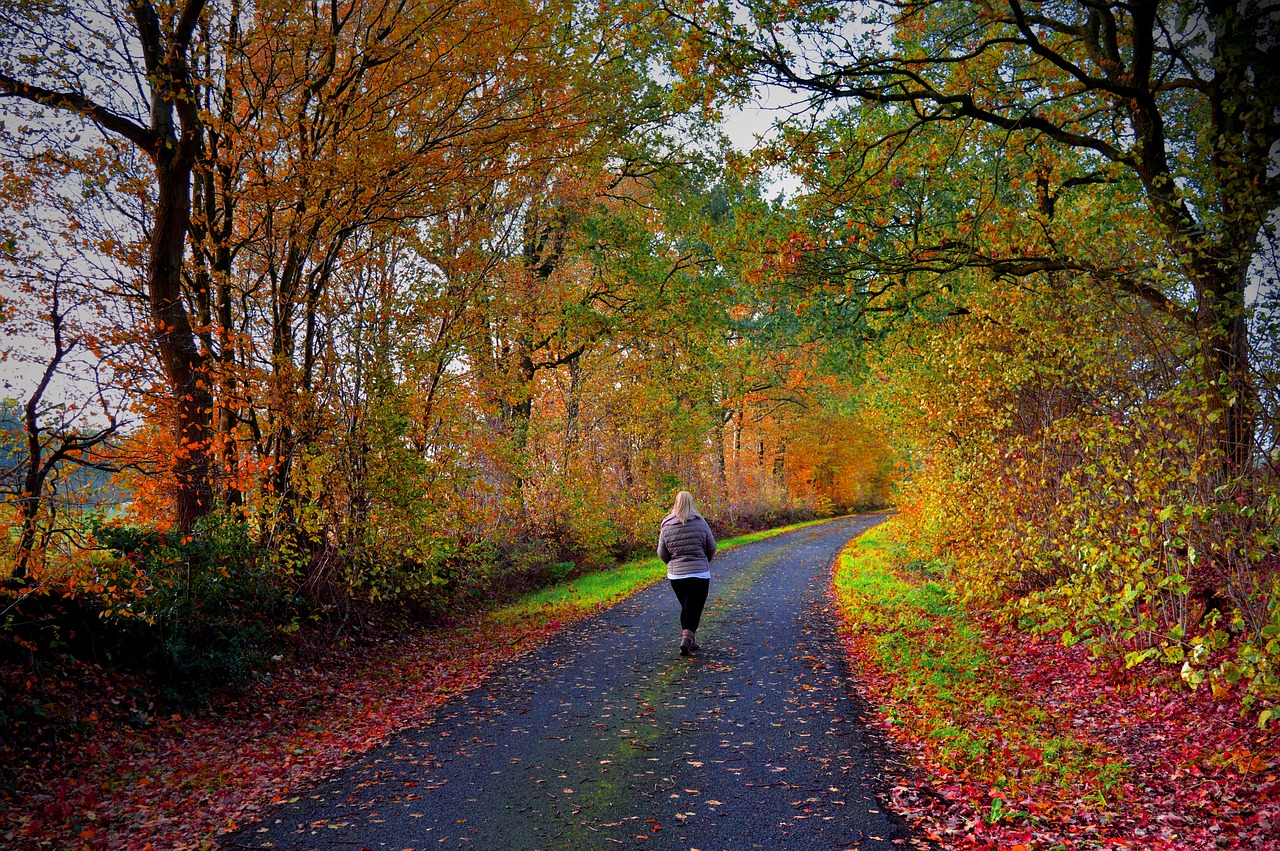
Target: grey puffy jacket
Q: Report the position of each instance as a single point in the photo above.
(686, 548)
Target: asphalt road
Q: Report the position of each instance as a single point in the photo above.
(606, 738)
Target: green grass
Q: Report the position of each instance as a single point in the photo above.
(942, 687)
(595, 590)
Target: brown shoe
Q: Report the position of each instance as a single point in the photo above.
(694, 646)
(686, 642)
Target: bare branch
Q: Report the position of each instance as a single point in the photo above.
(77, 103)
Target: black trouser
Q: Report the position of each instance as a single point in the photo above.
(692, 594)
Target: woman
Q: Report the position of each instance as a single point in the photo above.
(686, 546)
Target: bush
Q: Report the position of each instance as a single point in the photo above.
(208, 618)
(1076, 481)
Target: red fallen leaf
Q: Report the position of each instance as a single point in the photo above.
(1132, 722)
(245, 753)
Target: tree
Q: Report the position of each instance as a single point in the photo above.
(1177, 97)
(48, 440)
(71, 75)
(355, 124)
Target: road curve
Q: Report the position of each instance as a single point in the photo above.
(605, 738)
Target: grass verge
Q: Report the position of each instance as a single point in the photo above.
(930, 666)
(1030, 743)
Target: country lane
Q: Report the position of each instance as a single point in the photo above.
(606, 738)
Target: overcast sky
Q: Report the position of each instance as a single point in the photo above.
(746, 126)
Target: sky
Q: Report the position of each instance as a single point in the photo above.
(747, 125)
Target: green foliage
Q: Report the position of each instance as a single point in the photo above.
(210, 613)
(1069, 475)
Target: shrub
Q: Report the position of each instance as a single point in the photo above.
(208, 618)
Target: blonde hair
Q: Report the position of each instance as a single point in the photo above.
(683, 507)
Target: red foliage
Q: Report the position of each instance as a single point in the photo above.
(131, 780)
(1200, 776)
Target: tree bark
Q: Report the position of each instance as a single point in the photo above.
(33, 481)
(183, 362)
(573, 408)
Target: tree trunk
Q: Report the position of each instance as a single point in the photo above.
(572, 409)
(718, 438)
(518, 414)
(33, 482)
(1222, 329)
(32, 489)
(184, 365)
(226, 416)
